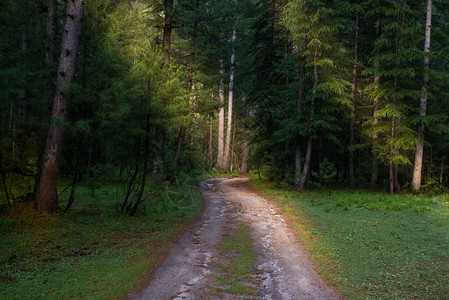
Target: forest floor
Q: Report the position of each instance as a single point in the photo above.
(241, 248)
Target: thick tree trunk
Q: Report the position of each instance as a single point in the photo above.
(230, 102)
(46, 193)
(51, 28)
(417, 170)
(221, 121)
(353, 96)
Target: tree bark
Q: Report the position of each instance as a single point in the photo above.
(51, 27)
(46, 193)
(230, 102)
(417, 169)
(221, 122)
(303, 180)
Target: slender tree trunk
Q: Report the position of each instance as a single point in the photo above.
(441, 171)
(77, 175)
(353, 96)
(298, 150)
(221, 121)
(391, 178)
(168, 6)
(397, 186)
(6, 188)
(392, 156)
(306, 168)
(374, 160)
(181, 136)
(46, 193)
(230, 102)
(130, 187)
(417, 170)
(298, 162)
(145, 166)
(211, 149)
(320, 160)
(245, 148)
(182, 130)
(245, 154)
(232, 152)
(22, 109)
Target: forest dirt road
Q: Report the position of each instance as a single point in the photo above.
(282, 269)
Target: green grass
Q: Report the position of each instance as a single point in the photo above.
(92, 252)
(372, 245)
(237, 264)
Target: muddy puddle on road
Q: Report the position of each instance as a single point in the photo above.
(241, 248)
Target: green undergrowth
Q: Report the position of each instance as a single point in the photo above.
(372, 245)
(236, 265)
(93, 251)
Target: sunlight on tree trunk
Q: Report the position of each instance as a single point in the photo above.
(417, 170)
(221, 121)
(230, 102)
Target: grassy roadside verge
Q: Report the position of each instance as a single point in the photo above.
(372, 246)
(92, 252)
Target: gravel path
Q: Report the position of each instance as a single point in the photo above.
(283, 268)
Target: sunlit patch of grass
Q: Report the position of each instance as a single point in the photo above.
(91, 252)
(372, 245)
